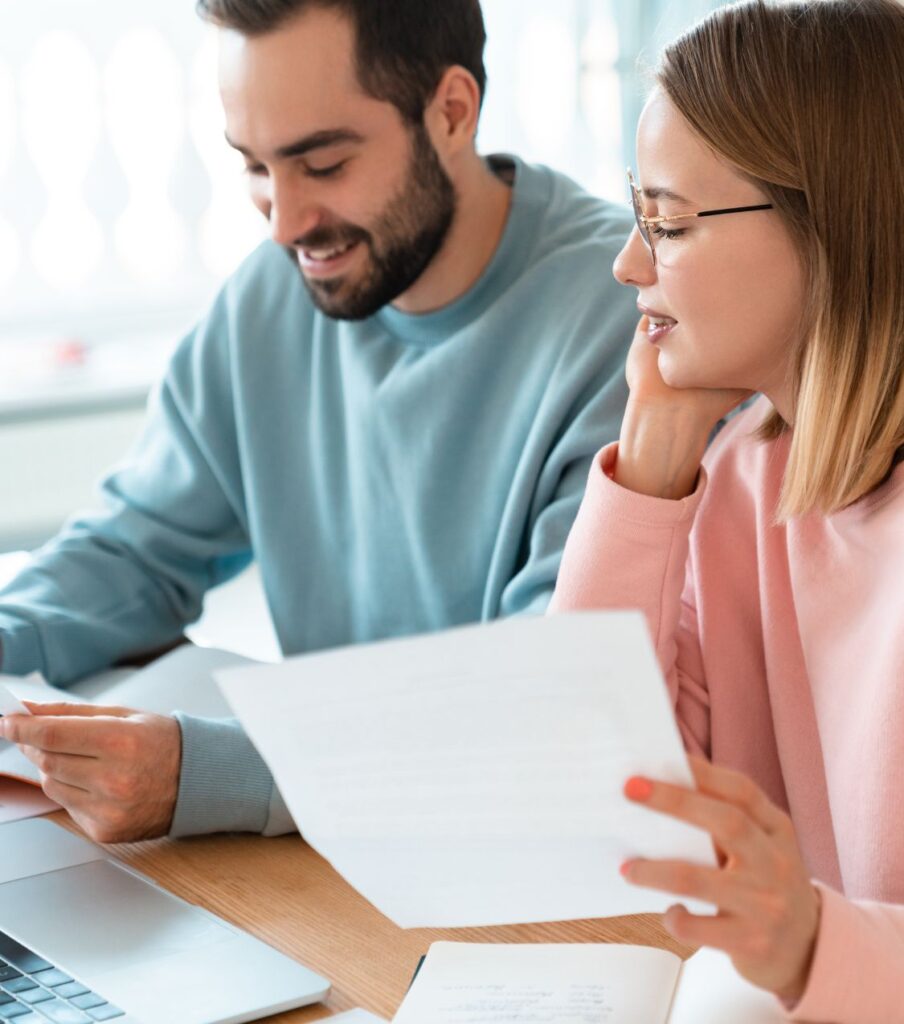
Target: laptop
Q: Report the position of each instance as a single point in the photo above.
(84, 938)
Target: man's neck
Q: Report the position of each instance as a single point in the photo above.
(484, 201)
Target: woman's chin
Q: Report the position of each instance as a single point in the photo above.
(679, 374)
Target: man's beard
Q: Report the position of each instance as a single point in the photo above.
(409, 233)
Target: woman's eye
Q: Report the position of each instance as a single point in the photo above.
(255, 170)
(660, 232)
(325, 172)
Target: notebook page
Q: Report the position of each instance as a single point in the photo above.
(470, 983)
(710, 991)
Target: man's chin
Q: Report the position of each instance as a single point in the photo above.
(339, 299)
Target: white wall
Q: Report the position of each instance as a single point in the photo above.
(50, 467)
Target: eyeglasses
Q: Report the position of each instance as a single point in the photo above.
(648, 225)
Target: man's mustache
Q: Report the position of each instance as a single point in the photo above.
(331, 238)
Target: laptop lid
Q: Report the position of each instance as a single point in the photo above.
(143, 949)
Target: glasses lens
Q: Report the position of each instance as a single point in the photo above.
(638, 216)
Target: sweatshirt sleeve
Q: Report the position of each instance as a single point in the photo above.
(629, 550)
(129, 578)
(858, 964)
(224, 784)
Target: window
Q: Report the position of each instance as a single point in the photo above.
(122, 209)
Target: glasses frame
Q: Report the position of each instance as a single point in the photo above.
(645, 224)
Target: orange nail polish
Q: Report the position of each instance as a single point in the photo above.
(639, 790)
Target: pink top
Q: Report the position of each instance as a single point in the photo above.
(783, 649)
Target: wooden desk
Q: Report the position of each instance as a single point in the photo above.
(283, 892)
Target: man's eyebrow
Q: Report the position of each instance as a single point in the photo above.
(317, 140)
(665, 193)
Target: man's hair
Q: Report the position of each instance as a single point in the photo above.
(403, 46)
(805, 98)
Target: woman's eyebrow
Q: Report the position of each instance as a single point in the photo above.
(666, 193)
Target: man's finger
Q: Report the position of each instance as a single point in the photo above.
(63, 708)
(61, 735)
(72, 769)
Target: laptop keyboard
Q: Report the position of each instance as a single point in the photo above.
(33, 991)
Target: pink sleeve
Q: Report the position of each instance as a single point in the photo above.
(628, 550)
(858, 968)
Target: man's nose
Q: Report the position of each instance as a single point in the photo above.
(634, 264)
(292, 213)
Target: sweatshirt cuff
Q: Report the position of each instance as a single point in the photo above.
(224, 784)
(20, 647)
(611, 499)
(839, 987)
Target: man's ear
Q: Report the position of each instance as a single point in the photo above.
(452, 115)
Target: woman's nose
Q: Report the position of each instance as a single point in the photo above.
(634, 264)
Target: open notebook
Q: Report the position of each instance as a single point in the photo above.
(179, 681)
(472, 983)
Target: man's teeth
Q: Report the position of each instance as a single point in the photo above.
(322, 255)
(661, 321)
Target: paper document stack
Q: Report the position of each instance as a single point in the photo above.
(474, 777)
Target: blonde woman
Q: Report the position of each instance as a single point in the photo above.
(769, 257)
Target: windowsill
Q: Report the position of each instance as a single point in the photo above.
(55, 379)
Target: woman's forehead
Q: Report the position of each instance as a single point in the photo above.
(672, 157)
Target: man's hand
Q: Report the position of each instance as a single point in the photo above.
(114, 770)
(768, 910)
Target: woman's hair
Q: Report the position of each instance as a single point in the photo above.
(807, 100)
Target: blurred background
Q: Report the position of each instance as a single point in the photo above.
(122, 209)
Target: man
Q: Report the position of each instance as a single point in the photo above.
(392, 405)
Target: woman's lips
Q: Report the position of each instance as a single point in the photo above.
(656, 331)
(658, 324)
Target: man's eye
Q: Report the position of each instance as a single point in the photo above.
(660, 232)
(255, 170)
(325, 172)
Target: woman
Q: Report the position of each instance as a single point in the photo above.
(768, 257)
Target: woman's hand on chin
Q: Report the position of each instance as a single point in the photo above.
(707, 405)
(665, 430)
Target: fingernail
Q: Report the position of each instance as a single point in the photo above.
(625, 869)
(639, 790)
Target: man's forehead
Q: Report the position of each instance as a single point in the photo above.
(313, 54)
(284, 86)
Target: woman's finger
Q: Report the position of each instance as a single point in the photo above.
(693, 881)
(730, 826)
(719, 931)
(739, 790)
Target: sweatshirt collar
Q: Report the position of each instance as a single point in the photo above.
(427, 330)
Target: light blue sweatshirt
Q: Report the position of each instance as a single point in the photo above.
(393, 476)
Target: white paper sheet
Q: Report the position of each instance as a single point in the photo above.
(20, 800)
(474, 777)
(10, 703)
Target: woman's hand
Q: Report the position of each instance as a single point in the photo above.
(768, 910)
(665, 430)
(707, 405)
